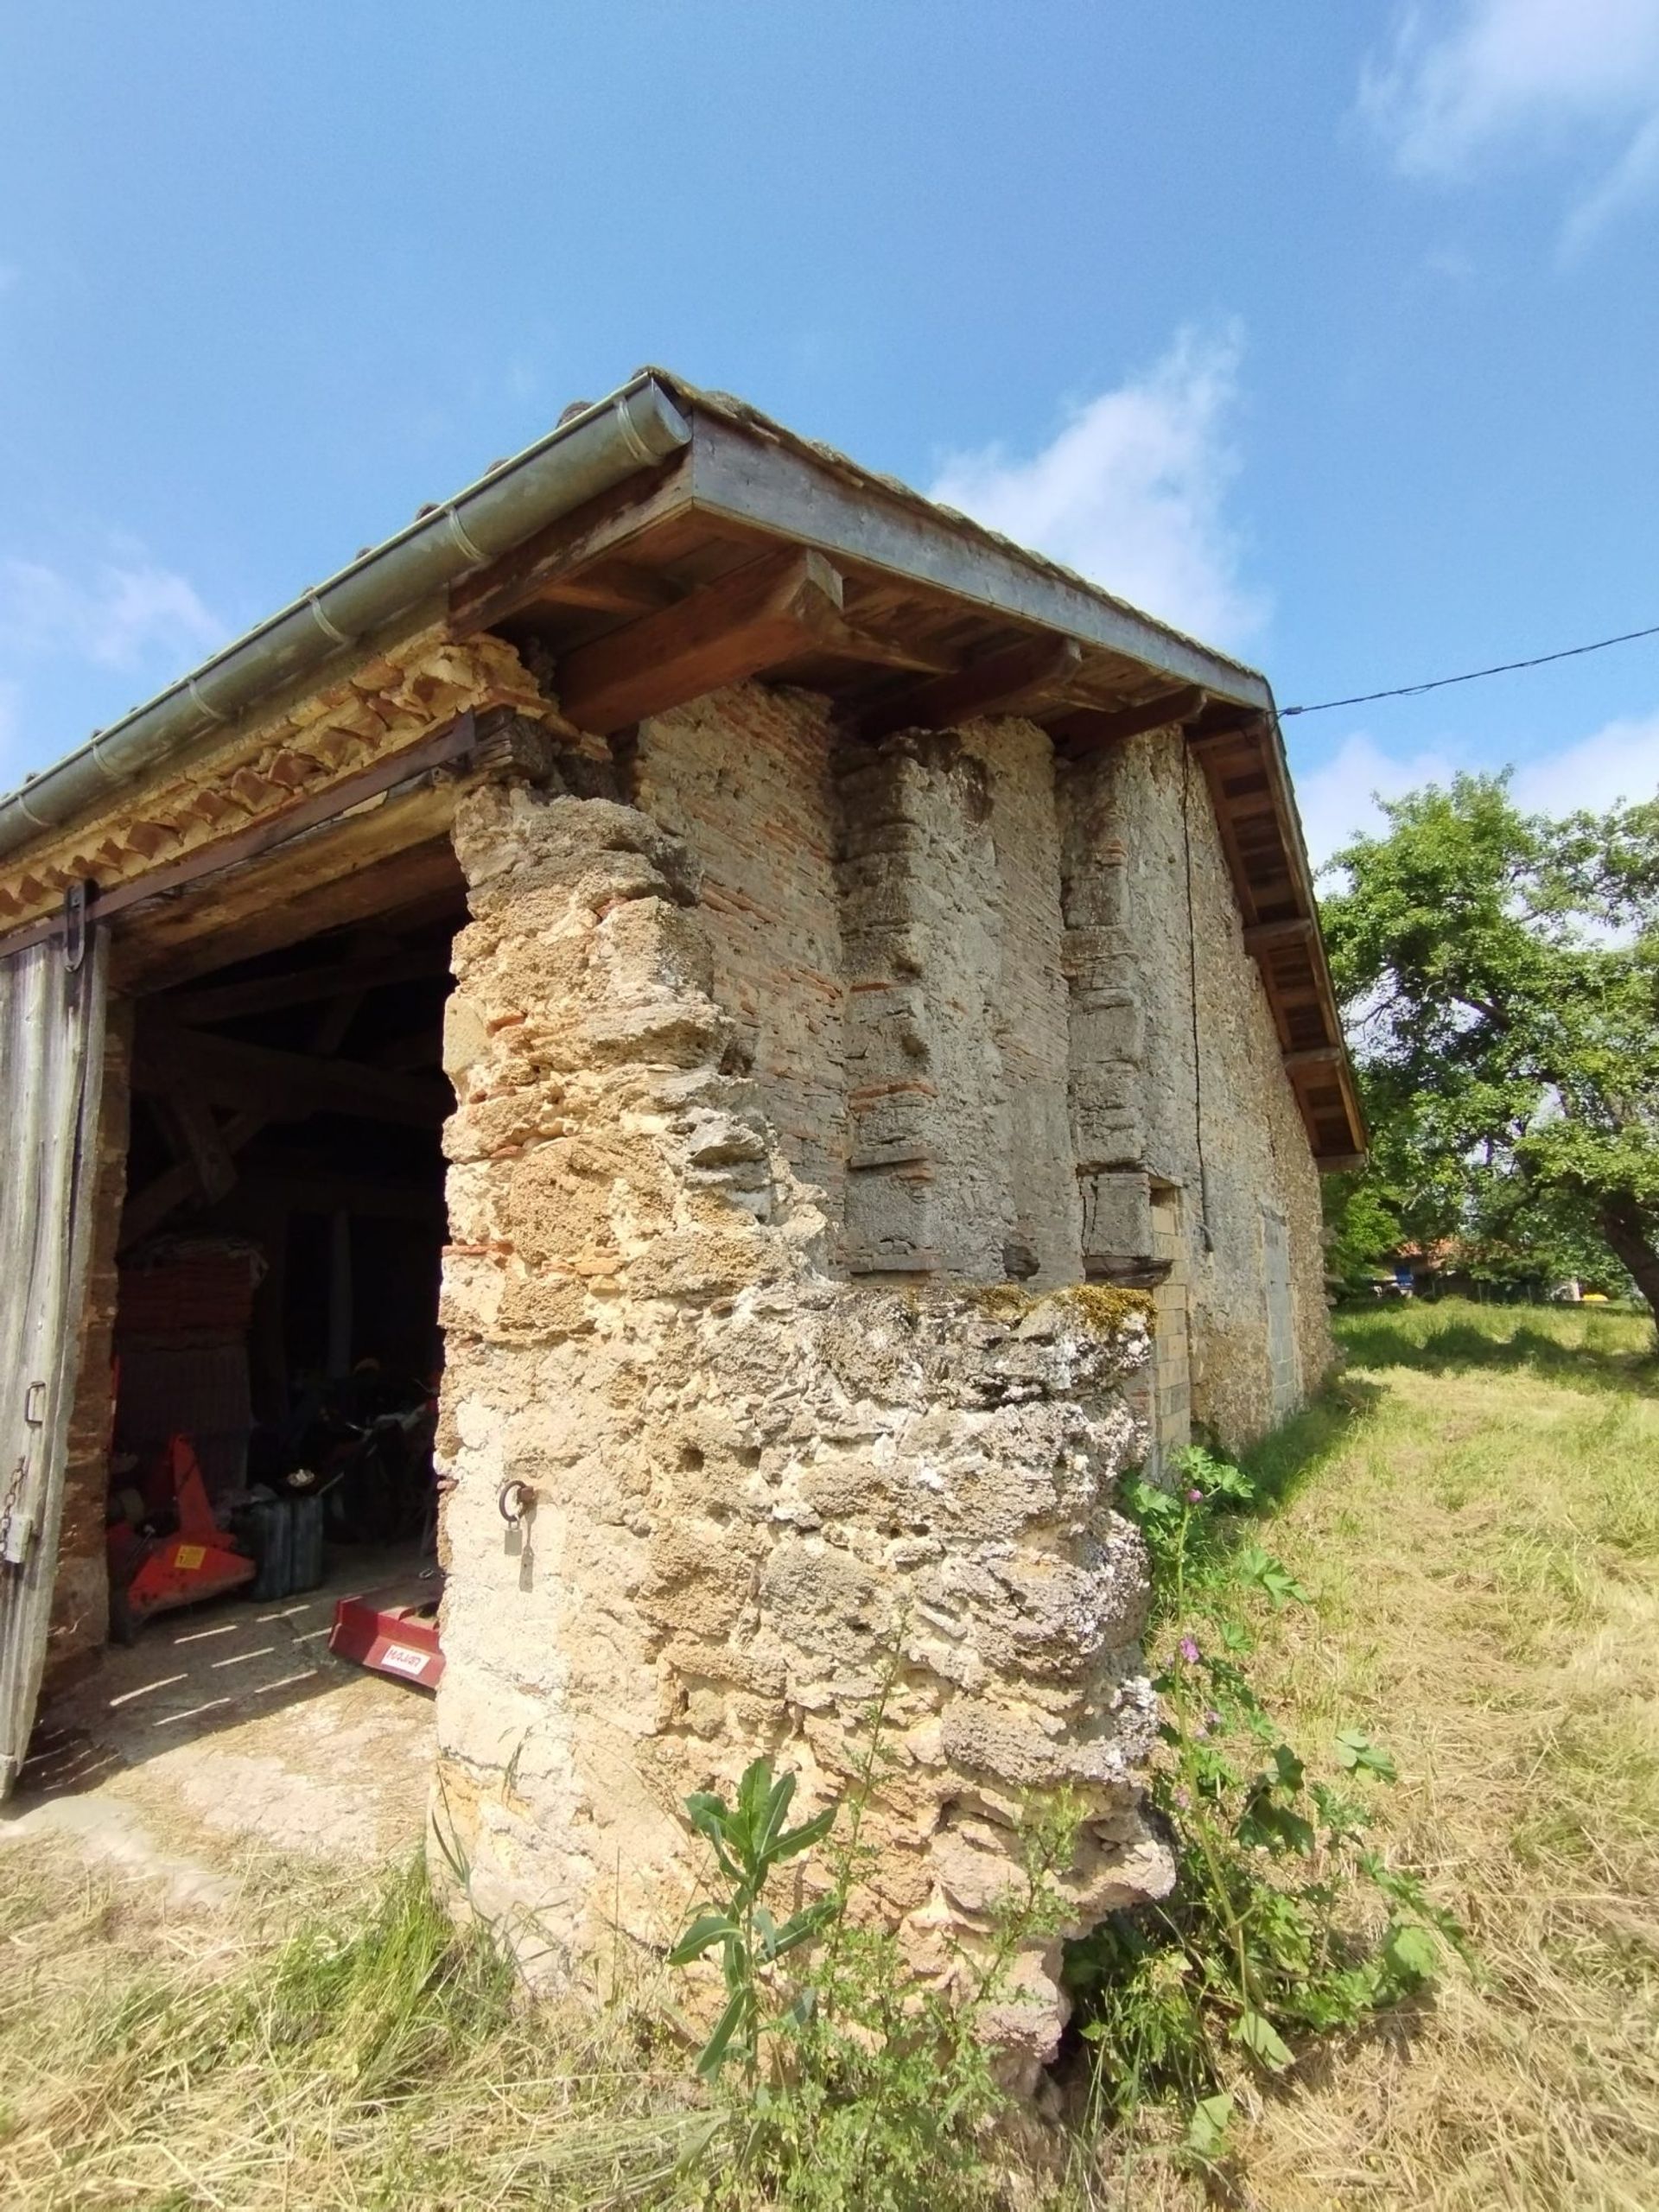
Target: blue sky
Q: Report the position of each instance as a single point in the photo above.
(1331, 333)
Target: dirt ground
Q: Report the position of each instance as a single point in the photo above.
(227, 1724)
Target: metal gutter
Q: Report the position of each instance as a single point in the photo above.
(632, 429)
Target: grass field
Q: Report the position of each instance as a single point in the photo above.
(1475, 1509)
(1478, 1520)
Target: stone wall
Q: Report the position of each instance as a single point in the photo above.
(755, 1490)
(1220, 1122)
(743, 779)
(79, 1620)
(885, 925)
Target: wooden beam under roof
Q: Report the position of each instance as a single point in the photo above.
(1256, 819)
(997, 683)
(614, 587)
(344, 876)
(176, 1187)
(304, 986)
(1084, 730)
(762, 614)
(285, 1085)
(738, 479)
(566, 546)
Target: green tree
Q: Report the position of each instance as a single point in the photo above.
(1499, 974)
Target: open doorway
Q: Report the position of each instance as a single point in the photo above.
(276, 1344)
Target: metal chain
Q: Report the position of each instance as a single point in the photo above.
(8, 1506)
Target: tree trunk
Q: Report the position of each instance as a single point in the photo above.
(1630, 1236)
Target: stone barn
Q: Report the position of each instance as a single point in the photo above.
(811, 1015)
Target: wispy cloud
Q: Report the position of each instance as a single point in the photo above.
(1131, 491)
(128, 612)
(68, 640)
(1618, 762)
(1577, 79)
(1339, 798)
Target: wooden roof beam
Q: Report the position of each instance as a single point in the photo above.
(286, 1086)
(1314, 1056)
(996, 684)
(768, 611)
(303, 986)
(1087, 729)
(1265, 936)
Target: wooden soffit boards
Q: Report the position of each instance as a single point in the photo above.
(758, 482)
(1243, 765)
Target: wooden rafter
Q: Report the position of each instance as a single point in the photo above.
(1255, 816)
(177, 1186)
(303, 986)
(997, 683)
(563, 548)
(1087, 729)
(762, 614)
(285, 1085)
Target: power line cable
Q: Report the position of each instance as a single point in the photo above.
(1439, 683)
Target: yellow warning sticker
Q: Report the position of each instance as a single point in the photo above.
(188, 1555)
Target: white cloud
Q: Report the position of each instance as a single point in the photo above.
(1618, 762)
(130, 611)
(1130, 492)
(1338, 799)
(1573, 76)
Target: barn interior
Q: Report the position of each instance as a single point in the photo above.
(282, 1239)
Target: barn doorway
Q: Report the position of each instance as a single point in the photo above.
(276, 1347)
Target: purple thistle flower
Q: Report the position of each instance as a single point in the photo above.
(1195, 1497)
(1190, 1651)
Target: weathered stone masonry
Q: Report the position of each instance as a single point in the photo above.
(1199, 1107)
(870, 1012)
(751, 1481)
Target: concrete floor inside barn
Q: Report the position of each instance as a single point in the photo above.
(232, 1724)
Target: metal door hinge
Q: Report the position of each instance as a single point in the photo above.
(77, 905)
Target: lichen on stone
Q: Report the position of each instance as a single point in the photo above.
(1102, 1309)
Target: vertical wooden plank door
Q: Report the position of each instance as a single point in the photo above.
(52, 1011)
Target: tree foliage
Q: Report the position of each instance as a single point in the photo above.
(1499, 973)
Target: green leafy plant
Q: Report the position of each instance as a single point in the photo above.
(750, 1842)
(876, 2089)
(1251, 1952)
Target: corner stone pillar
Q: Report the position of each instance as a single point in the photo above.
(755, 1493)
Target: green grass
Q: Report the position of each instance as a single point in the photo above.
(1475, 1507)
(370, 2058)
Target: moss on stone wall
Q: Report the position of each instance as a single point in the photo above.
(1103, 1309)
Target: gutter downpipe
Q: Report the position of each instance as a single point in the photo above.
(634, 429)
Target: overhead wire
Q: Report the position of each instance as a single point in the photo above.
(1472, 675)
